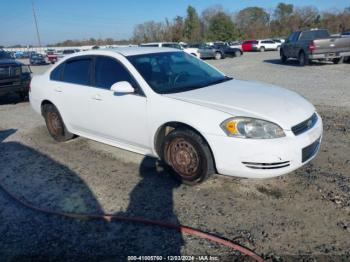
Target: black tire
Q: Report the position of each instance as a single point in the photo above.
(303, 60)
(339, 60)
(55, 124)
(23, 95)
(283, 57)
(238, 53)
(262, 49)
(218, 56)
(188, 156)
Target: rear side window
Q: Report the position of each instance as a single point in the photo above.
(56, 73)
(109, 71)
(77, 71)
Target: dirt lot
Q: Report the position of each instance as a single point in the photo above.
(302, 215)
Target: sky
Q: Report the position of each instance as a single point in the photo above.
(59, 20)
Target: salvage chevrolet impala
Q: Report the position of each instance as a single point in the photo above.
(168, 104)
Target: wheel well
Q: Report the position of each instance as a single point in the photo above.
(166, 128)
(43, 103)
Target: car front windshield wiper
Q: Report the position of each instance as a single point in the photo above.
(188, 88)
(218, 81)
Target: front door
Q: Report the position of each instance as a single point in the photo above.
(121, 118)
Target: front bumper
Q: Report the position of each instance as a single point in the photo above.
(264, 158)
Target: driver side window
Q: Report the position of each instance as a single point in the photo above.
(108, 71)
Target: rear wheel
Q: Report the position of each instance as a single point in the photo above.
(55, 125)
(188, 155)
(23, 95)
(303, 59)
(218, 55)
(338, 60)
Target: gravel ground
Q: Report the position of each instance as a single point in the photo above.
(302, 215)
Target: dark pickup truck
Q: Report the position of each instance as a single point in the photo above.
(14, 76)
(315, 44)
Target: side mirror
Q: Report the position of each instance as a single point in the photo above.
(123, 87)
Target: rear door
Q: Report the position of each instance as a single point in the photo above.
(71, 87)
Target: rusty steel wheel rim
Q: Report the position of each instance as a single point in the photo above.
(54, 123)
(183, 157)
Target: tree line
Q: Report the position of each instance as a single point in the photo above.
(216, 24)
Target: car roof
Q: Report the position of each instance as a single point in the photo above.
(130, 51)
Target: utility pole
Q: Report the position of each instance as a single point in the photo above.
(36, 24)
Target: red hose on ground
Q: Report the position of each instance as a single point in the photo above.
(109, 218)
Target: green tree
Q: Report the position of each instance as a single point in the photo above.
(192, 28)
(221, 28)
(253, 22)
(283, 10)
(177, 29)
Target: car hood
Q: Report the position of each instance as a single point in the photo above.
(251, 99)
(8, 61)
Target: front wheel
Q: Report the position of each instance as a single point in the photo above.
(262, 49)
(188, 155)
(55, 125)
(283, 56)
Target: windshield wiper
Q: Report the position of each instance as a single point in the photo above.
(227, 78)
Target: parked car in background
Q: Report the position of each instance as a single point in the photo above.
(260, 45)
(191, 50)
(52, 56)
(223, 125)
(14, 76)
(162, 44)
(69, 51)
(267, 45)
(247, 46)
(185, 48)
(37, 59)
(207, 52)
(235, 44)
(315, 44)
(278, 40)
(345, 34)
(228, 51)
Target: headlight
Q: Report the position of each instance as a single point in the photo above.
(245, 127)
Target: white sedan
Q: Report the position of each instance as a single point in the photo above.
(168, 104)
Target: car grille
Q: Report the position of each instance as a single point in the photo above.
(310, 150)
(305, 125)
(274, 165)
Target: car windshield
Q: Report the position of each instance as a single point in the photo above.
(172, 72)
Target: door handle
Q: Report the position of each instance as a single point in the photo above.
(58, 90)
(97, 97)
